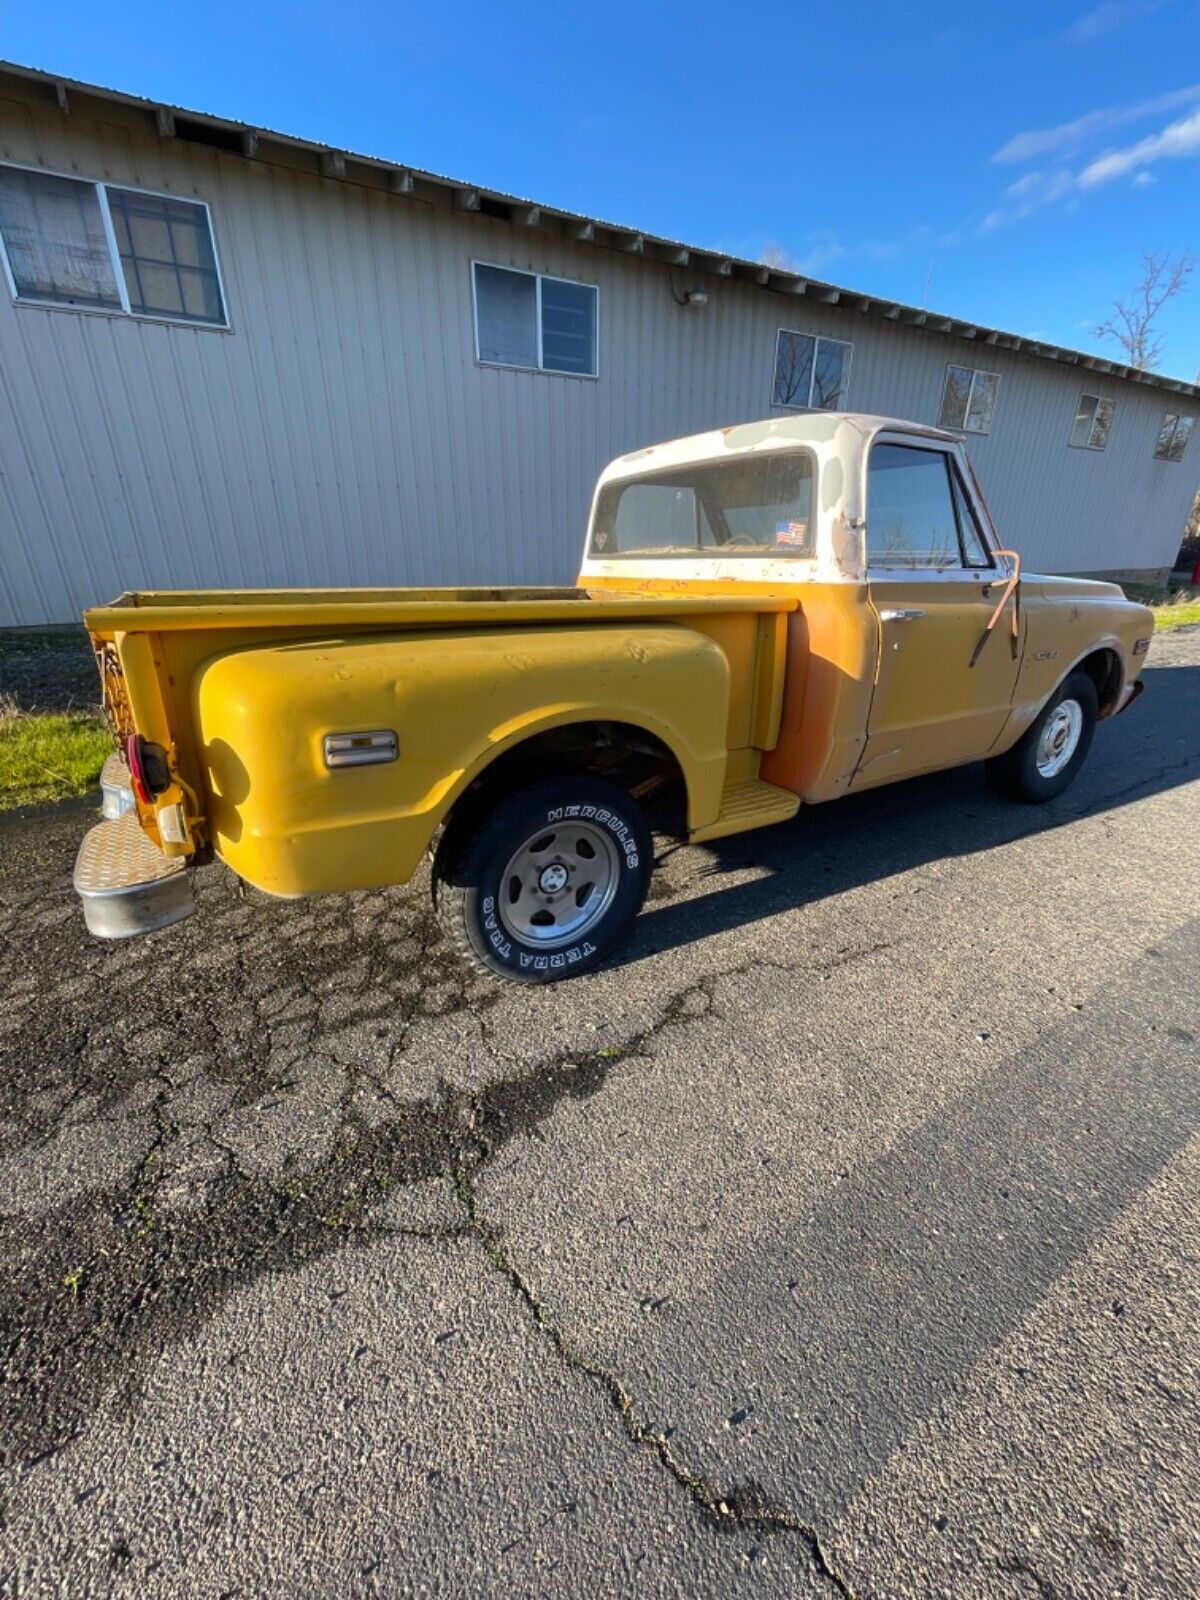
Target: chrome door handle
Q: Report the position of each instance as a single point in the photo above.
(900, 614)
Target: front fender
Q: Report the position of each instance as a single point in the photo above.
(288, 824)
(1066, 622)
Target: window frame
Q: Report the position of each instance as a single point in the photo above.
(1100, 399)
(976, 372)
(1180, 417)
(554, 277)
(963, 571)
(804, 333)
(100, 186)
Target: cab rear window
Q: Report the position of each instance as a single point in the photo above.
(753, 505)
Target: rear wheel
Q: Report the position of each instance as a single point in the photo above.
(1048, 754)
(547, 881)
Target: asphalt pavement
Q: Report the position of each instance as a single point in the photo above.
(840, 1238)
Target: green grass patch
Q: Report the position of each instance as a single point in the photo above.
(49, 757)
(1176, 614)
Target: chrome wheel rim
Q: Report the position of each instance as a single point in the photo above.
(1060, 738)
(558, 884)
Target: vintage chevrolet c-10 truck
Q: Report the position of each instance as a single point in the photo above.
(767, 616)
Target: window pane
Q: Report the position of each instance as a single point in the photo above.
(982, 402)
(186, 244)
(568, 326)
(656, 516)
(1102, 426)
(829, 378)
(167, 256)
(974, 550)
(793, 368)
(1166, 437)
(756, 506)
(1183, 432)
(1081, 428)
(153, 288)
(910, 518)
(506, 307)
(954, 398)
(201, 296)
(54, 235)
(767, 504)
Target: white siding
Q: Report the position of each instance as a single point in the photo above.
(342, 433)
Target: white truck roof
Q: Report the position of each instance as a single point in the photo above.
(818, 429)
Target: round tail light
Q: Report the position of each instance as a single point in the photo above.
(136, 762)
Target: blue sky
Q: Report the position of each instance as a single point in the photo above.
(1005, 164)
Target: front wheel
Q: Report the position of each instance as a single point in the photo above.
(1047, 756)
(547, 882)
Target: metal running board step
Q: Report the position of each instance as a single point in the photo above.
(126, 883)
(749, 803)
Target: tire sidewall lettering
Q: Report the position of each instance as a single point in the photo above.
(620, 829)
(492, 929)
(555, 959)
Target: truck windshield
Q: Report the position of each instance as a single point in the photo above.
(752, 505)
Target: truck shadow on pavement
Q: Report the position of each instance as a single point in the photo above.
(860, 1317)
(831, 849)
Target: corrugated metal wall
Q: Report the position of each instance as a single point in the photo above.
(342, 432)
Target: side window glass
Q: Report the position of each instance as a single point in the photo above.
(910, 514)
(975, 552)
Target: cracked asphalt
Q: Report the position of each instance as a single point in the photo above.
(839, 1239)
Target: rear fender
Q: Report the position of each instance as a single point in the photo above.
(287, 823)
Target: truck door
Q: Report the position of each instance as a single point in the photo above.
(932, 584)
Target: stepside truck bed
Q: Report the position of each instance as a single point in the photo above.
(240, 690)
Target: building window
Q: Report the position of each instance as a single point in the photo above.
(1093, 422)
(94, 246)
(1173, 437)
(810, 372)
(524, 319)
(969, 400)
(55, 240)
(166, 252)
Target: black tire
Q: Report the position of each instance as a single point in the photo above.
(474, 900)
(1016, 774)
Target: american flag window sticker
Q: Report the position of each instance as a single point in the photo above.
(790, 533)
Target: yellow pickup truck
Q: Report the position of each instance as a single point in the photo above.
(767, 615)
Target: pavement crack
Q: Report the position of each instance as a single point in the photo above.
(742, 1506)
(1018, 1566)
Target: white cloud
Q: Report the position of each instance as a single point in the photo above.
(1067, 137)
(1034, 189)
(1025, 185)
(1177, 139)
(1107, 17)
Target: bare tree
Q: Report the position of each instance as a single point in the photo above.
(774, 255)
(1132, 322)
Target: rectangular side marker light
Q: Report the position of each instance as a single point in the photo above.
(361, 749)
(1141, 646)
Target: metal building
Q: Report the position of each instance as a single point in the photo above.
(229, 357)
